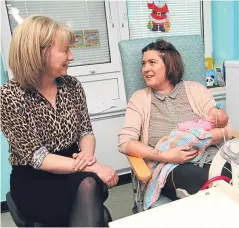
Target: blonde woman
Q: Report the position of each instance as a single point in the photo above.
(45, 120)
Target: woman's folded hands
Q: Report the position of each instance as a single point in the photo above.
(82, 160)
(87, 162)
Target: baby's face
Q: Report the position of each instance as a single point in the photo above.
(218, 117)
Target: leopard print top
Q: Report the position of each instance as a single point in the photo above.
(34, 128)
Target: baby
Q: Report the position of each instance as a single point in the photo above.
(195, 133)
(215, 118)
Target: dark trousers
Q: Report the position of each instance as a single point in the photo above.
(188, 177)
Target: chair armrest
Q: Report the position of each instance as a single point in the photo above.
(141, 170)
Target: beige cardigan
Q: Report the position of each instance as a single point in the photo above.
(136, 124)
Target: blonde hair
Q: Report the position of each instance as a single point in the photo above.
(30, 46)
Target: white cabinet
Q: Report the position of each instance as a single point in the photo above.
(106, 104)
(232, 82)
(106, 131)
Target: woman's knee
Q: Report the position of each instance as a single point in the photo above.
(88, 185)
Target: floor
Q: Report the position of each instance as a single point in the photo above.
(119, 203)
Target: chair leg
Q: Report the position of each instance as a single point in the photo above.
(139, 206)
(134, 185)
(138, 196)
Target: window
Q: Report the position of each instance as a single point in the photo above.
(184, 18)
(82, 17)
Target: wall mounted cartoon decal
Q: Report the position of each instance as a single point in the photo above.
(159, 17)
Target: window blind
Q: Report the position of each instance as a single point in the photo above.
(79, 15)
(185, 17)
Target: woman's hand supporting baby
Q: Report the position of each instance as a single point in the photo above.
(179, 155)
(218, 135)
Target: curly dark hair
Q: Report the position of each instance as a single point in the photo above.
(171, 58)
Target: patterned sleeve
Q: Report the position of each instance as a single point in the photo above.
(22, 138)
(85, 125)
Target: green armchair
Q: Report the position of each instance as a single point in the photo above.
(191, 48)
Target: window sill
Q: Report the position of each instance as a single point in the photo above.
(218, 91)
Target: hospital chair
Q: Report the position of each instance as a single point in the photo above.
(191, 48)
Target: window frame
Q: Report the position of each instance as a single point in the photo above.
(205, 23)
(83, 70)
(207, 27)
